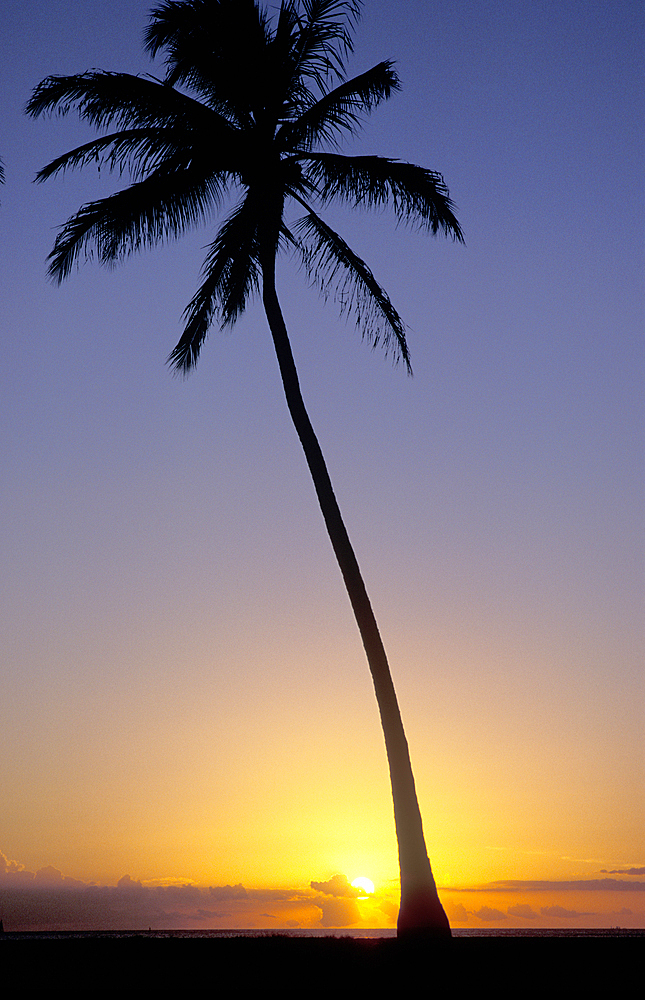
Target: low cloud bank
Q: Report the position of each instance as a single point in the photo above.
(575, 885)
(623, 871)
(48, 900)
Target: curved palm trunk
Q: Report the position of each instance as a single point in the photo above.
(420, 913)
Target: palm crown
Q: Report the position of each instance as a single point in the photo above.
(246, 108)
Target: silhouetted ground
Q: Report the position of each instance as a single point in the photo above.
(320, 966)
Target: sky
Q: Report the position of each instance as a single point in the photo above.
(189, 732)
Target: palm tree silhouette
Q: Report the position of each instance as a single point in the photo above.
(254, 106)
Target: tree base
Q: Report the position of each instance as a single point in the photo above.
(422, 917)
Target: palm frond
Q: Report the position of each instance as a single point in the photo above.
(140, 150)
(231, 275)
(334, 267)
(123, 100)
(416, 195)
(325, 38)
(164, 205)
(340, 110)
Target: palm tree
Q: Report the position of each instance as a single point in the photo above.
(254, 107)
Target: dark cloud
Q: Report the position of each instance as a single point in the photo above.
(592, 885)
(337, 902)
(129, 884)
(49, 900)
(489, 913)
(522, 910)
(338, 912)
(457, 912)
(15, 870)
(559, 911)
(623, 871)
(227, 891)
(50, 876)
(338, 885)
(390, 910)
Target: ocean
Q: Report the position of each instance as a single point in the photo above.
(328, 932)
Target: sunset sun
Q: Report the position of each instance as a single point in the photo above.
(365, 884)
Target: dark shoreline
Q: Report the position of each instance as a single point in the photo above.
(332, 934)
(319, 964)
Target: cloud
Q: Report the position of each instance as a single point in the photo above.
(489, 913)
(457, 912)
(391, 910)
(522, 910)
(338, 912)
(49, 900)
(591, 885)
(338, 885)
(341, 910)
(13, 873)
(623, 871)
(14, 869)
(559, 911)
(228, 891)
(129, 884)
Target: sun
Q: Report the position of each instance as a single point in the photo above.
(365, 884)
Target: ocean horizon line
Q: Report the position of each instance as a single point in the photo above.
(326, 932)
